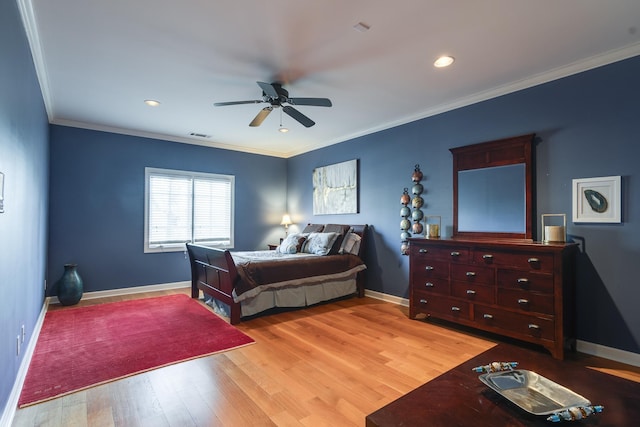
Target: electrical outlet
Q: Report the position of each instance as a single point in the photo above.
(22, 334)
(18, 345)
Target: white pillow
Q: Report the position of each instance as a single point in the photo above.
(319, 243)
(350, 244)
(291, 244)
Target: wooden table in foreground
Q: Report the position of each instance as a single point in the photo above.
(458, 398)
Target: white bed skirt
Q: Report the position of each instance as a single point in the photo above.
(297, 296)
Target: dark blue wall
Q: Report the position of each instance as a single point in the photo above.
(24, 160)
(588, 126)
(96, 215)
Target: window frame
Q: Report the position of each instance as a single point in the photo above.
(179, 247)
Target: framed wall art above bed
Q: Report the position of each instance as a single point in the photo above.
(335, 188)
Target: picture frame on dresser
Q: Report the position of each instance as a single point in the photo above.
(597, 200)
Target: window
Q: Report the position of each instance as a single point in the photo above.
(185, 207)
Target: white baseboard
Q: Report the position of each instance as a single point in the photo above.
(610, 353)
(12, 403)
(386, 297)
(128, 291)
(592, 349)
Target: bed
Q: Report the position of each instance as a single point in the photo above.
(305, 269)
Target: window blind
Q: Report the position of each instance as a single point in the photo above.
(187, 207)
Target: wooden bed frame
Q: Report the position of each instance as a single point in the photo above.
(214, 272)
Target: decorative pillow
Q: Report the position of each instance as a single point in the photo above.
(313, 228)
(291, 244)
(350, 244)
(319, 243)
(342, 230)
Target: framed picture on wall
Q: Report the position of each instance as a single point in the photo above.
(335, 188)
(597, 199)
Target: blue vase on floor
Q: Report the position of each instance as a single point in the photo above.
(70, 285)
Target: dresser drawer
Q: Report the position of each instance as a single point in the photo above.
(428, 269)
(472, 274)
(525, 301)
(521, 260)
(525, 280)
(441, 307)
(434, 285)
(440, 253)
(473, 292)
(527, 325)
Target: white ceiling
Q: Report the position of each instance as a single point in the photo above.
(98, 60)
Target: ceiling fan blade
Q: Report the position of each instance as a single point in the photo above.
(259, 118)
(317, 102)
(269, 90)
(222, 104)
(304, 120)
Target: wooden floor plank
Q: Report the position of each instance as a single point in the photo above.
(322, 366)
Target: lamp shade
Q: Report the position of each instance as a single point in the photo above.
(286, 220)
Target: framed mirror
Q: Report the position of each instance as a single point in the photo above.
(493, 189)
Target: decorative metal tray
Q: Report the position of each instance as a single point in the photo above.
(536, 394)
(532, 392)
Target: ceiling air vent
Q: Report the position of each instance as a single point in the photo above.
(200, 135)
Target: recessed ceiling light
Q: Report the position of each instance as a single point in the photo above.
(283, 130)
(444, 61)
(152, 102)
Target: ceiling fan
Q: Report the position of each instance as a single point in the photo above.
(276, 95)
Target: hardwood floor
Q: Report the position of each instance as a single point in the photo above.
(329, 365)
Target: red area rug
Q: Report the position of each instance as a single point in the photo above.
(83, 347)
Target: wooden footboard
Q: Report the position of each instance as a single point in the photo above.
(214, 273)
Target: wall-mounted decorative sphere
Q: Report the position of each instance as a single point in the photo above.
(404, 248)
(405, 198)
(417, 174)
(405, 224)
(404, 236)
(416, 228)
(405, 211)
(417, 189)
(417, 202)
(417, 215)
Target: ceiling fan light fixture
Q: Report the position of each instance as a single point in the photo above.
(152, 102)
(444, 61)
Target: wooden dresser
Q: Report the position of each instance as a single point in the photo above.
(523, 290)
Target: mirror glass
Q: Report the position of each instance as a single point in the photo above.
(492, 199)
(493, 189)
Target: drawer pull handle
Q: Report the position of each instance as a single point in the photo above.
(533, 326)
(487, 316)
(429, 285)
(532, 260)
(455, 253)
(423, 251)
(428, 268)
(471, 292)
(487, 256)
(523, 280)
(523, 301)
(423, 301)
(454, 308)
(471, 273)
